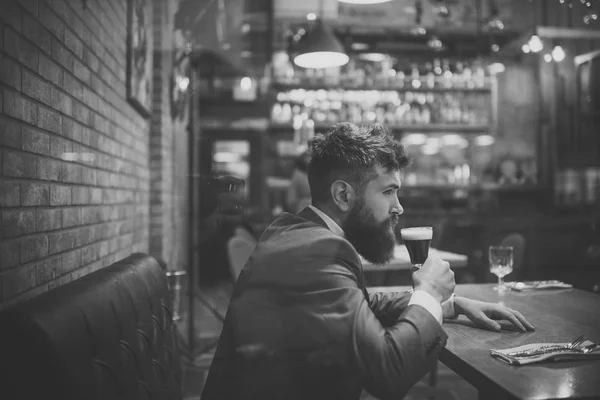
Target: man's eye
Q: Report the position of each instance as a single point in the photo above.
(389, 192)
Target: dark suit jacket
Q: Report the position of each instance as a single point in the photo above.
(301, 324)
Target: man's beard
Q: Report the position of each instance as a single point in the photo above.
(372, 240)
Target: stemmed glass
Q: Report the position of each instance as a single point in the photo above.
(417, 241)
(501, 264)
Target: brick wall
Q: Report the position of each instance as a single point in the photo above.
(84, 176)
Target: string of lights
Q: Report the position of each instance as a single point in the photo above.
(592, 7)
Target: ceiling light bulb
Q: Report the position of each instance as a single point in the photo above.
(496, 68)
(311, 16)
(246, 83)
(558, 54)
(321, 59)
(547, 57)
(535, 44)
(526, 49)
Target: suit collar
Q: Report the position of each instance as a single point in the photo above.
(312, 216)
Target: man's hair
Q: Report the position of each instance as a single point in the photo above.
(350, 152)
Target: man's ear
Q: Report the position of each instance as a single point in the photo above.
(343, 195)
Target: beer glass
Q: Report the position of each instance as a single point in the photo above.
(501, 264)
(417, 241)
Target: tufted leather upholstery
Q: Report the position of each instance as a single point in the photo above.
(106, 336)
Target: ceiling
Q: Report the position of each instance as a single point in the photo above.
(239, 30)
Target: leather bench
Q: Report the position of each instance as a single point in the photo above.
(106, 336)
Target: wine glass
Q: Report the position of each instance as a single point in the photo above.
(501, 264)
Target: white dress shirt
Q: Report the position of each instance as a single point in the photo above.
(418, 297)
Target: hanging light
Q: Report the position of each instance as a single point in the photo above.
(558, 54)
(535, 44)
(320, 48)
(525, 48)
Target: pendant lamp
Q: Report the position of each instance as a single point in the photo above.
(319, 48)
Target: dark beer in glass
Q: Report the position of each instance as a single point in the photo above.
(417, 241)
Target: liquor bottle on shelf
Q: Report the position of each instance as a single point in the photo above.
(386, 106)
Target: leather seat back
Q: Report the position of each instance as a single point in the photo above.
(108, 335)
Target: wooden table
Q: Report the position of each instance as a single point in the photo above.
(558, 316)
(401, 262)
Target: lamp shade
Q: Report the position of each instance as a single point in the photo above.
(319, 48)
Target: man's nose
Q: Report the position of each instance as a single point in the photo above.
(397, 207)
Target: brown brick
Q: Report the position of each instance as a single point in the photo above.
(10, 193)
(90, 98)
(16, 223)
(50, 20)
(88, 176)
(21, 49)
(63, 280)
(71, 261)
(34, 248)
(48, 219)
(81, 113)
(35, 194)
(18, 280)
(50, 70)
(71, 130)
(91, 60)
(49, 170)
(35, 87)
(19, 164)
(74, 44)
(62, 241)
(71, 217)
(60, 146)
(35, 141)
(49, 120)
(36, 33)
(71, 173)
(10, 253)
(11, 14)
(91, 215)
(81, 194)
(48, 269)
(89, 254)
(20, 107)
(10, 72)
(102, 178)
(31, 6)
(60, 195)
(61, 102)
(81, 71)
(61, 55)
(10, 133)
(73, 86)
(95, 196)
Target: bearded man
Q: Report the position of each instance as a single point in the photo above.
(301, 324)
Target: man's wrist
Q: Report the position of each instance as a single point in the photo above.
(458, 309)
(433, 293)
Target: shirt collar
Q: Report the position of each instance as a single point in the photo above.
(333, 227)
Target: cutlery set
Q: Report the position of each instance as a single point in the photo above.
(528, 354)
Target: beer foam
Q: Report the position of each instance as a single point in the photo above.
(424, 233)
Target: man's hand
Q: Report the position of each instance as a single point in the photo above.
(485, 314)
(436, 278)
